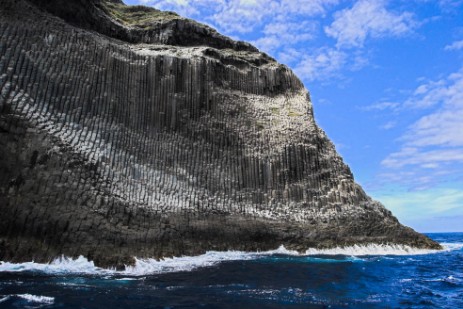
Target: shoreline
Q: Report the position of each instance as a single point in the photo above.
(149, 266)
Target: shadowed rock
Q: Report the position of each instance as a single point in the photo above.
(127, 131)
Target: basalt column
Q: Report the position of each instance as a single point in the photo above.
(127, 131)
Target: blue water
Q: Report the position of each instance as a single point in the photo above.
(261, 281)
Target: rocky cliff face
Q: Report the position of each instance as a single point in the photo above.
(127, 131)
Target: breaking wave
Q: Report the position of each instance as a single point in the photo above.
(36, 299)
(65, 266)
(4, 298)
(368, 250)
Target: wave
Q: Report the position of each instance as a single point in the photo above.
(142, 267)
(372, 249)
(4, 298)
(187, 263)
(30, 298)
(62, 265)
(37, 299)
(65, 265)
(368, 250)
(452, 246)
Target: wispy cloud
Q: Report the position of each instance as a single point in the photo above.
(389, 125)
(321, 64)
(457, 45)
(381, 106)
(280, 34)
(433, 144)
(423, 158)
(183, 7)
(449, 5)
(443, 126)
(279, 27)
(244, 16)
(369, 18)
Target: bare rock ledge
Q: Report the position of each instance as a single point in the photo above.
(128, 131)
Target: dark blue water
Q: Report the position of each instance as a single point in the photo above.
(267, 281)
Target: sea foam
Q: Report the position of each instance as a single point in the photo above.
(4, 298)
(64, 265)
(38, 299)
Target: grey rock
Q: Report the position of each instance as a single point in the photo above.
(127, 131)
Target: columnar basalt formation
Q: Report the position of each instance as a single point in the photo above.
(127, 131)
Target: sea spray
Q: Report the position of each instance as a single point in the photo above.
(37, 298)
(142, 267)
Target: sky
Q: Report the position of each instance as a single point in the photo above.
(386, 82)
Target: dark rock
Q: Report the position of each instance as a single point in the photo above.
(127, 131)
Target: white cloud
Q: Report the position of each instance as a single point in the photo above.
(432, 147)
(368, 18)
(268, 43)
(280, 34)
(293, 32)
(381, 106)
(307, 7)
(441, 128)
(279, 27)
(444, 125)
(290, 55)
(389, 125)
(455, 45)
(425, 159)
(448, 5)
(244, 16)
(183, 7)
(321, 64)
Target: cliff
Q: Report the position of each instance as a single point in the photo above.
(128, 131)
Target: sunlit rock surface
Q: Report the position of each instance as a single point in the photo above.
(127, 131)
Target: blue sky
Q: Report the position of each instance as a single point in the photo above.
(386, 81)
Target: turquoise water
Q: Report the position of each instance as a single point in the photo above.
(276, 279)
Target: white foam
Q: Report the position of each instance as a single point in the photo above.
(37, 299)
(129, 279)
(4, 298)
(365, 250)
(62, 265)
(144, 267)
(187, 263)
(372, 249)
(452, 246)
(81, 265)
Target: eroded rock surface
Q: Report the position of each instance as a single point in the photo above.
(126, 131)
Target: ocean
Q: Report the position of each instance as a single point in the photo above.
(356, 277)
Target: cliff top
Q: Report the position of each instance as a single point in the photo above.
(139, 24)
(138, 15)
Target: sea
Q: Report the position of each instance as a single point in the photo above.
(355, 277)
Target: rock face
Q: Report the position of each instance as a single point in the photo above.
(126, 131)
